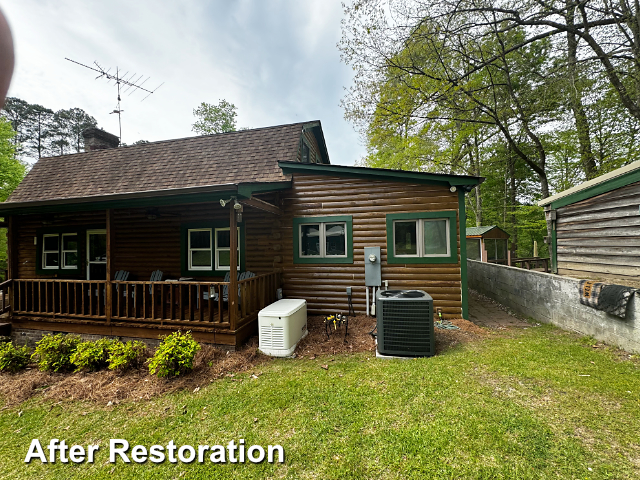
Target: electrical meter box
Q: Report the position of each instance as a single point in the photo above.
(372, 267)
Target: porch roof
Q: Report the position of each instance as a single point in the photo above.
(219, 162)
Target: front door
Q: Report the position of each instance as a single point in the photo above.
(96, 254)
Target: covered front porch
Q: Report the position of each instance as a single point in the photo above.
(87, 293)
(137, 309)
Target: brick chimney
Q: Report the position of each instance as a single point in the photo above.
(97, 139)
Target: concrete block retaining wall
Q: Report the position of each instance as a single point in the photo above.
(554, 299)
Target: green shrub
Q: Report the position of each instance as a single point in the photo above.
(174, 355)
(92, 356)
(53, 352)
(4, 339)
(13, 358)
(126, 355)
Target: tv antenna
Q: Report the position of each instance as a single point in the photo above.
(124, 82)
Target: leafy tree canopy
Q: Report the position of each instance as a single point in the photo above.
(218, 118)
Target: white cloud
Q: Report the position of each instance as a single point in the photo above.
(276, 61)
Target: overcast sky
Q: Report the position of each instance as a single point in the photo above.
(276, 60)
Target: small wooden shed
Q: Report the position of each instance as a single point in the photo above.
(488, 244)
(596, 228)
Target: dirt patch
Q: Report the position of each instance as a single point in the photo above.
(317, 343)
(468, 332)
(360, 339)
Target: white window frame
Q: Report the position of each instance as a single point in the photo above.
(210, 249)
(420, 238)
(323, 240)
(63, 263)
(217, 249)
(44, 252)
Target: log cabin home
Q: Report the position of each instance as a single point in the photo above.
(595, 228)
(136, 241)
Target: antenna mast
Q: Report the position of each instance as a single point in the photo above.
(126, 82)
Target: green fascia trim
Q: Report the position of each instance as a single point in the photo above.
(245, 190)
(378, 173)
(463, 254)
(451, 215)
(335, 218)
(184, 270)
(604, 187)
(62, 272)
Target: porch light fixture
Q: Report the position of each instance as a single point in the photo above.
(453, 189)
(224, 202)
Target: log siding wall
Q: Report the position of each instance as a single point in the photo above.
(142, 245)
(368, 202)
(599, 238)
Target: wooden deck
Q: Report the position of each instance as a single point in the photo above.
(139, 309)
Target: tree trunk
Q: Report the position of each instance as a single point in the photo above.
(512, 199)
(575, 99)
(476, 172)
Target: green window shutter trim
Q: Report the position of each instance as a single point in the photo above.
(348, 219)
(62, 272)
(453, 237)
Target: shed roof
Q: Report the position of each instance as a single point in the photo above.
(477, 231)
(604, 183)
(247, 156)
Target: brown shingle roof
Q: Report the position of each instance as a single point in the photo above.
(247, 156)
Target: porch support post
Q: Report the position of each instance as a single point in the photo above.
(109, 301)
(12, 257)
(233, 265)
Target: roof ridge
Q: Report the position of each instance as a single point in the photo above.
(156, 142)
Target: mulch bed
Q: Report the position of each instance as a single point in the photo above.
(210, 364)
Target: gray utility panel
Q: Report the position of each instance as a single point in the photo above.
(372, 269)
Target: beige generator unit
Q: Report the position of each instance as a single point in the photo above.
(281, 326)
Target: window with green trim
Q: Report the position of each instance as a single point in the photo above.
(323, 239)
(58, 251)
(422, 237)
(206, 246)
(200, 249)
(69, 251)
(51, 251)
(223, 249)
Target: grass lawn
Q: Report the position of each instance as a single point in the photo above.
(531, 403)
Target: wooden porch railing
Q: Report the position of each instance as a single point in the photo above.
(186, 303)
(65, 298)
(5, 291)
(255, 294)
(170, 302)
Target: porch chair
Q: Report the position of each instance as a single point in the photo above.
(242, 276)
(156, 276)
(121, 276)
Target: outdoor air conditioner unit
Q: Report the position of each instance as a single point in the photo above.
(281, 326)
(405, 323)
